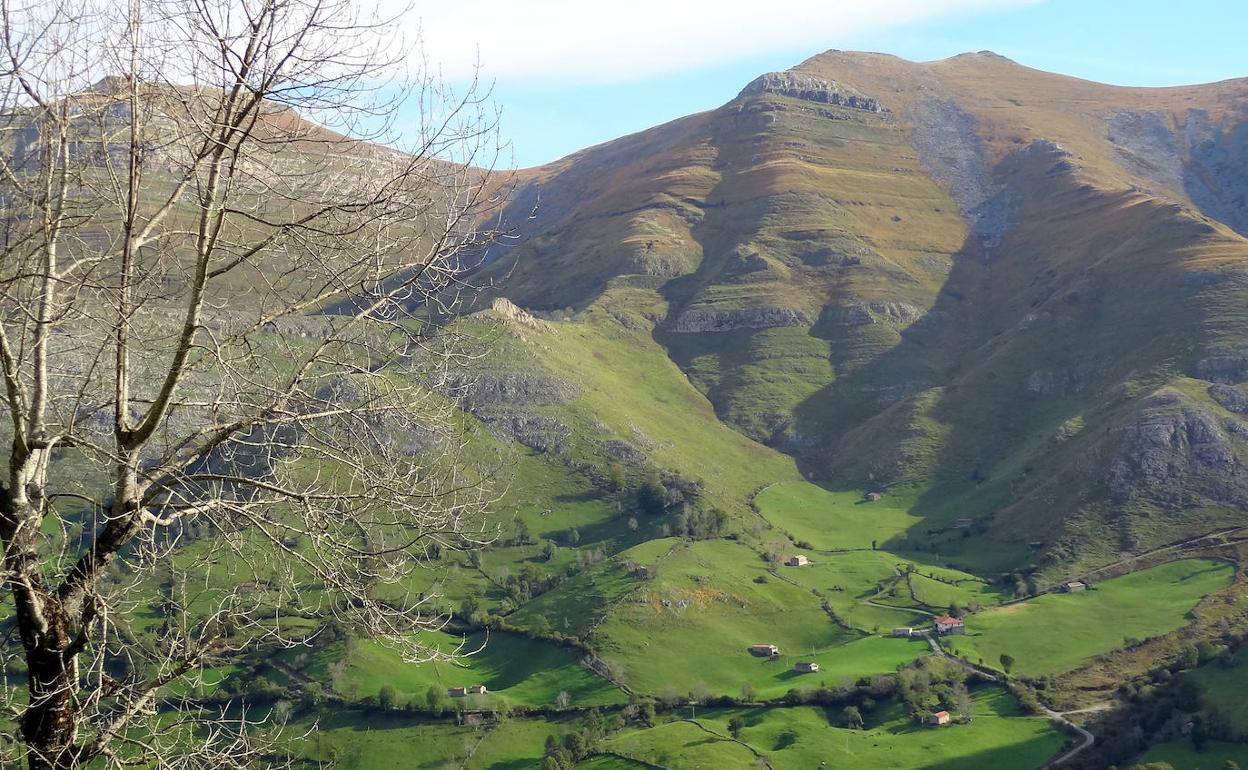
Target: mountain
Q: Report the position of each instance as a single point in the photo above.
(761, 393)
(1021, 293)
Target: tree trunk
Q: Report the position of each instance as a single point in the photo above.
(50, 722)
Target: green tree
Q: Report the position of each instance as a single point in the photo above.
(1189, 657)
(434, 699)
(555, 761)
(652, 497)
(576, 745)
(647, 714)
(735, 725)
(523, 535)
(386, 697)
(1007, 662)
(540, 625)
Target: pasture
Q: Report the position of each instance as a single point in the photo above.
(1054, 633)
(690, 627)
(1000, 735)
(835, 520)
(516, 669)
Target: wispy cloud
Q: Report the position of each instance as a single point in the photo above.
(597, 41)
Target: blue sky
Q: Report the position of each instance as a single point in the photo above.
(571, 74)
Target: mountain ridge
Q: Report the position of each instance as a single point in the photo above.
(858, 261)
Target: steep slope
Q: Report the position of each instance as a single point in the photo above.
(1010, 288)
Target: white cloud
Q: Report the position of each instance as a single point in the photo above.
(592, 41)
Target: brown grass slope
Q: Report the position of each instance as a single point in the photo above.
(1013, 287)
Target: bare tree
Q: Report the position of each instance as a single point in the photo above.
(221, 352)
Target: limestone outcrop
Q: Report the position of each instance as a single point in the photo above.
(811, 89)
(694, 321)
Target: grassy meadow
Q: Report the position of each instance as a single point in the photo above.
(516, 669)
(999, 736)
(1054, 633)
(835, 520)
(690, 628)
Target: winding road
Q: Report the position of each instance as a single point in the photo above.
(1086, 738)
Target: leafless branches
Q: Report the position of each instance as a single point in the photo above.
(220, 352)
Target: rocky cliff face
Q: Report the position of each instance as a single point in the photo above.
(1188, 155)
(812, 89)
(696, 320)
(1175, 453)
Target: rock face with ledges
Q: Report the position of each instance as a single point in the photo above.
(812, 89)
(1176, 452)
(697, 320)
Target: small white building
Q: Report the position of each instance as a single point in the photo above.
(948, 624)
(477, 689)
(904, 632)
(1074, 586)
(804, 667)
(796, 560)
(764, 650)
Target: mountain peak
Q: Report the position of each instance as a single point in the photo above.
(973, 56)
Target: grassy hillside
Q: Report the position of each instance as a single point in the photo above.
(1056, 632)
(517, 670)
(999, 736)
(939, 283)
(692, 625)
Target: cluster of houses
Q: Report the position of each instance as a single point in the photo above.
(772, 652)
(461, 692)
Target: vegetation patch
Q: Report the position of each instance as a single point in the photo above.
(1054, 633)
(691, 626)
(836, 520)
(514, 670)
